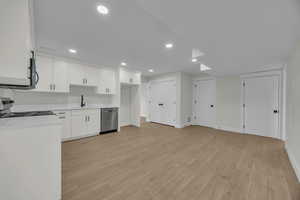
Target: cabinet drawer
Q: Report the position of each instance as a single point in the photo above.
(78, 112)
(93, 112)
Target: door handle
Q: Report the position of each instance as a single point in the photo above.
(212, 106)
(160, 104)
(275, 111)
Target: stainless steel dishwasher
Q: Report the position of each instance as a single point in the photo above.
(109, 120)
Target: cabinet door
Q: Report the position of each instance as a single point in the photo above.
(91, 76)
(107, 82)
(65, 118)
(124, 76)
(44, 66)
(136, 78)
(93, 124)
(15, 41)
(76, 74)
(60, 80)
(79, 124)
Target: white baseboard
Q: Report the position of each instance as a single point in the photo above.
(229, 129)
(294, 162)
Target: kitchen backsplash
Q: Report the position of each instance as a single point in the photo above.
(39, 98)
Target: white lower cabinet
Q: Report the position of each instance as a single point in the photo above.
(65, 118)
(79, 121)
(85, 123)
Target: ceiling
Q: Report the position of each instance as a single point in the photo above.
(237, 36)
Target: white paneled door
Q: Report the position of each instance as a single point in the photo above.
(261, 106)
(205, 103)
(163, 102)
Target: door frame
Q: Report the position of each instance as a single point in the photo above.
(195, 81)
(150, 98)
(281, 101)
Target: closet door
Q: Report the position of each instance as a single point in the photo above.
(155, 103)
(163, 102)
(261, 111)
(168, 98)
(204, 103)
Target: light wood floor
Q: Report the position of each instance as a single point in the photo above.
(158, 162)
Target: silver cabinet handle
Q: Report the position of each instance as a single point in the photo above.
(62, 118)
(88, 118)
(54, 87)
(86, 81)
(50, 86)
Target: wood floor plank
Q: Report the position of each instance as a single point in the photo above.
(157, 162)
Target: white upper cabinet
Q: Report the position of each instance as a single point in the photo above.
(83, 75)
(52, 75)
(129, 77)
(107, 82)
(15, 41)
(60, 80)
(44, 67)
(92, 76)
(76, 74)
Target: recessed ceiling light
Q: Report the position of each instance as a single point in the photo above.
(151, 70)
(103, 10)
(204, 68)
(74, 51)
(169, 45)
(123, 63)
(194, 60)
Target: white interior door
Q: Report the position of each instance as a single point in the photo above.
(155, 108)
(168, 98)
(261, 112)
(204, 103)
(163, 102)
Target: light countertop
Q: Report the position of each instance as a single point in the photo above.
(59, 107)
(28, 122)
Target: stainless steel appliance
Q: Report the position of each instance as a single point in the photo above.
(109, 120)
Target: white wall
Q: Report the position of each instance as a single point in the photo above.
(40, 98)
(293, 110)
(144, 99)
(186, 99)
(228, 106)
